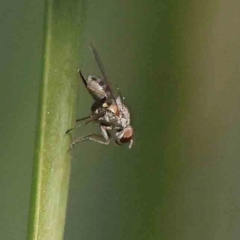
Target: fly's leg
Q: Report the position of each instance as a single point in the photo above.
(102, 139)
(81, 119)
(105, 133)
(91, 137)
(90, 119)
(81, 124)
(82, 77)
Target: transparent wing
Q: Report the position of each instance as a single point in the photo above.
(100, 65)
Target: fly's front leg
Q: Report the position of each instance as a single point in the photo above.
(102, 139)
(105, 133)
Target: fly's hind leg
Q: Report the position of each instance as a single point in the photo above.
(102, 139)
(82, 77)
(88, 119)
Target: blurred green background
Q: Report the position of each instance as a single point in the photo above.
(177, 64)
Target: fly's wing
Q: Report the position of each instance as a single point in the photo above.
(107, 88)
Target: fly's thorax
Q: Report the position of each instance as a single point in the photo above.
(124, 116)
(118, 114)
(123, 122)
(111, 117)
(114, 109)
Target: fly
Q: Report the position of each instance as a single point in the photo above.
(109, 111)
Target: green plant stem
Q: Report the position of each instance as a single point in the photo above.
(51, 170)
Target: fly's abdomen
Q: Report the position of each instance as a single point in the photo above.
(98, 88)
(95, 88)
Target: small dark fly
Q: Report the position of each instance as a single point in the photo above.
(107, 110)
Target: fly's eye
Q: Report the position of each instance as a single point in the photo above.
(126, 138)
(126, 135)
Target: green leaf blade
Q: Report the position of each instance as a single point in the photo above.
(51, 171)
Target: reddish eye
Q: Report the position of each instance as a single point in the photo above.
(127, 135)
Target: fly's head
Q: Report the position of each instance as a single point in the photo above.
(125, 136)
